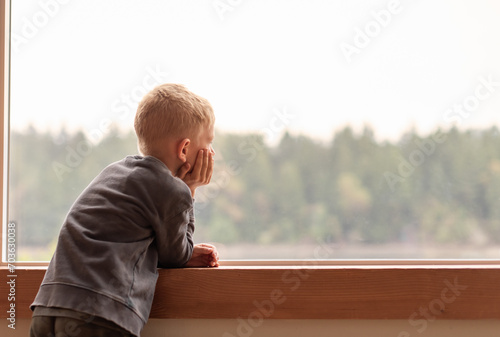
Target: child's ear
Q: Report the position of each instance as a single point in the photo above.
(182, 149)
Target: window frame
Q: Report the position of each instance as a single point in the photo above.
(4, 83)
(302, 289)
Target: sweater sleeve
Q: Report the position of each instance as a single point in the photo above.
(174, 240)
(167, 206)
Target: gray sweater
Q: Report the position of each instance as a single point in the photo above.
(133, 218)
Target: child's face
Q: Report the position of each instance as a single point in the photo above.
(202, 141)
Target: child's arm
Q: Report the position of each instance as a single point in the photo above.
(204, 255)
(200, 174)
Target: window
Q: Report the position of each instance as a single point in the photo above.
(356, 126)
(378, 289)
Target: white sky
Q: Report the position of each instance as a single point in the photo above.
(78, 65)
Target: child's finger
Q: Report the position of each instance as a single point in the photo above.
(215, 255)
(181, 173)
(210, 168)
(206, 245)
(204, 250)
(204, 167)
(197, 166)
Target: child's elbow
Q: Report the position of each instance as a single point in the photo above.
(178, 259)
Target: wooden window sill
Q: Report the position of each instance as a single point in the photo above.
(308, 290)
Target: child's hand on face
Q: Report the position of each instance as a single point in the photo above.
(204, 255)
(200, 174)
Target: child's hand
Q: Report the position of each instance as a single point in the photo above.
(204, 255)
(201, 172)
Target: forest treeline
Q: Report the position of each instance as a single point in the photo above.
(442, 187)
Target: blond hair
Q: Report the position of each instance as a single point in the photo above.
(170, 110)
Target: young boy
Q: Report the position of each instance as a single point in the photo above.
(135, 216)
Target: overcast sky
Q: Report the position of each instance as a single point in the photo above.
(308, 65)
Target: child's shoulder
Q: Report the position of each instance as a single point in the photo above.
(142, 169)
(150, 173)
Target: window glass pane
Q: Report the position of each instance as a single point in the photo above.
(345, 129)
